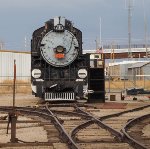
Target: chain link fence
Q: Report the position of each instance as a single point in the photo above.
(115, 84)
(116, 88)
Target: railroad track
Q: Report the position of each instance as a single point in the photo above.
(46, 121)
(56, 124)
(71, 126)
(95, 134)
(119, 120)
(136, 132)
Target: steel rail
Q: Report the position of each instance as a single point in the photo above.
(130, 139)
(123, 112)
(97, 121)
(65, 136)
(25, 144)
(79, 127)
(30, 110)
(27, 111)
(48, 116)
(116, 133)
(9, 108)
(71, 113)
(70, 105)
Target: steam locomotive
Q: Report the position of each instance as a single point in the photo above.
(59, 69)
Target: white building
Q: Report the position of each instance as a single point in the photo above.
(23, 65)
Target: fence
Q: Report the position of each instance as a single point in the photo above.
(115, 84)
(112, 84)
(23, 84)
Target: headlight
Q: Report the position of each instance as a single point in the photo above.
(36, 73)
(82, 73)
(59, 49)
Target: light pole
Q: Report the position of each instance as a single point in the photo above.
(145, 29)
(100, 33)
(129, 29)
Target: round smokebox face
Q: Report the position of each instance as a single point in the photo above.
(64, 42)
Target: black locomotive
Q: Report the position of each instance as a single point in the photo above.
(59, 69)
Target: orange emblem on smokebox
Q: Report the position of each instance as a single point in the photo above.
(59, 55)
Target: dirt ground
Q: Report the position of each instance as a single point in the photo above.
(20, 100)
(27, 131)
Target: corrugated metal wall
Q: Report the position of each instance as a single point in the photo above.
(146, 71)
(23, 65)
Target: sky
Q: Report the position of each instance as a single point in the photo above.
(19, 18)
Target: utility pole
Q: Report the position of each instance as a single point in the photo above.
(129, 28)
(12, 116)
(25, 43)
(100, 33)
(1, 45)
(97, 45)
(145, 29)
(113, 51)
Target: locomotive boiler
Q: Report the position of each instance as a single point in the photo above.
(59, 69)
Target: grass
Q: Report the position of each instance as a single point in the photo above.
(119, 84)
(21, 86)
(25, 86)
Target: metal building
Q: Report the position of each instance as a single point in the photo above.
(140, 70)
(127, 69)
(23, 65)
